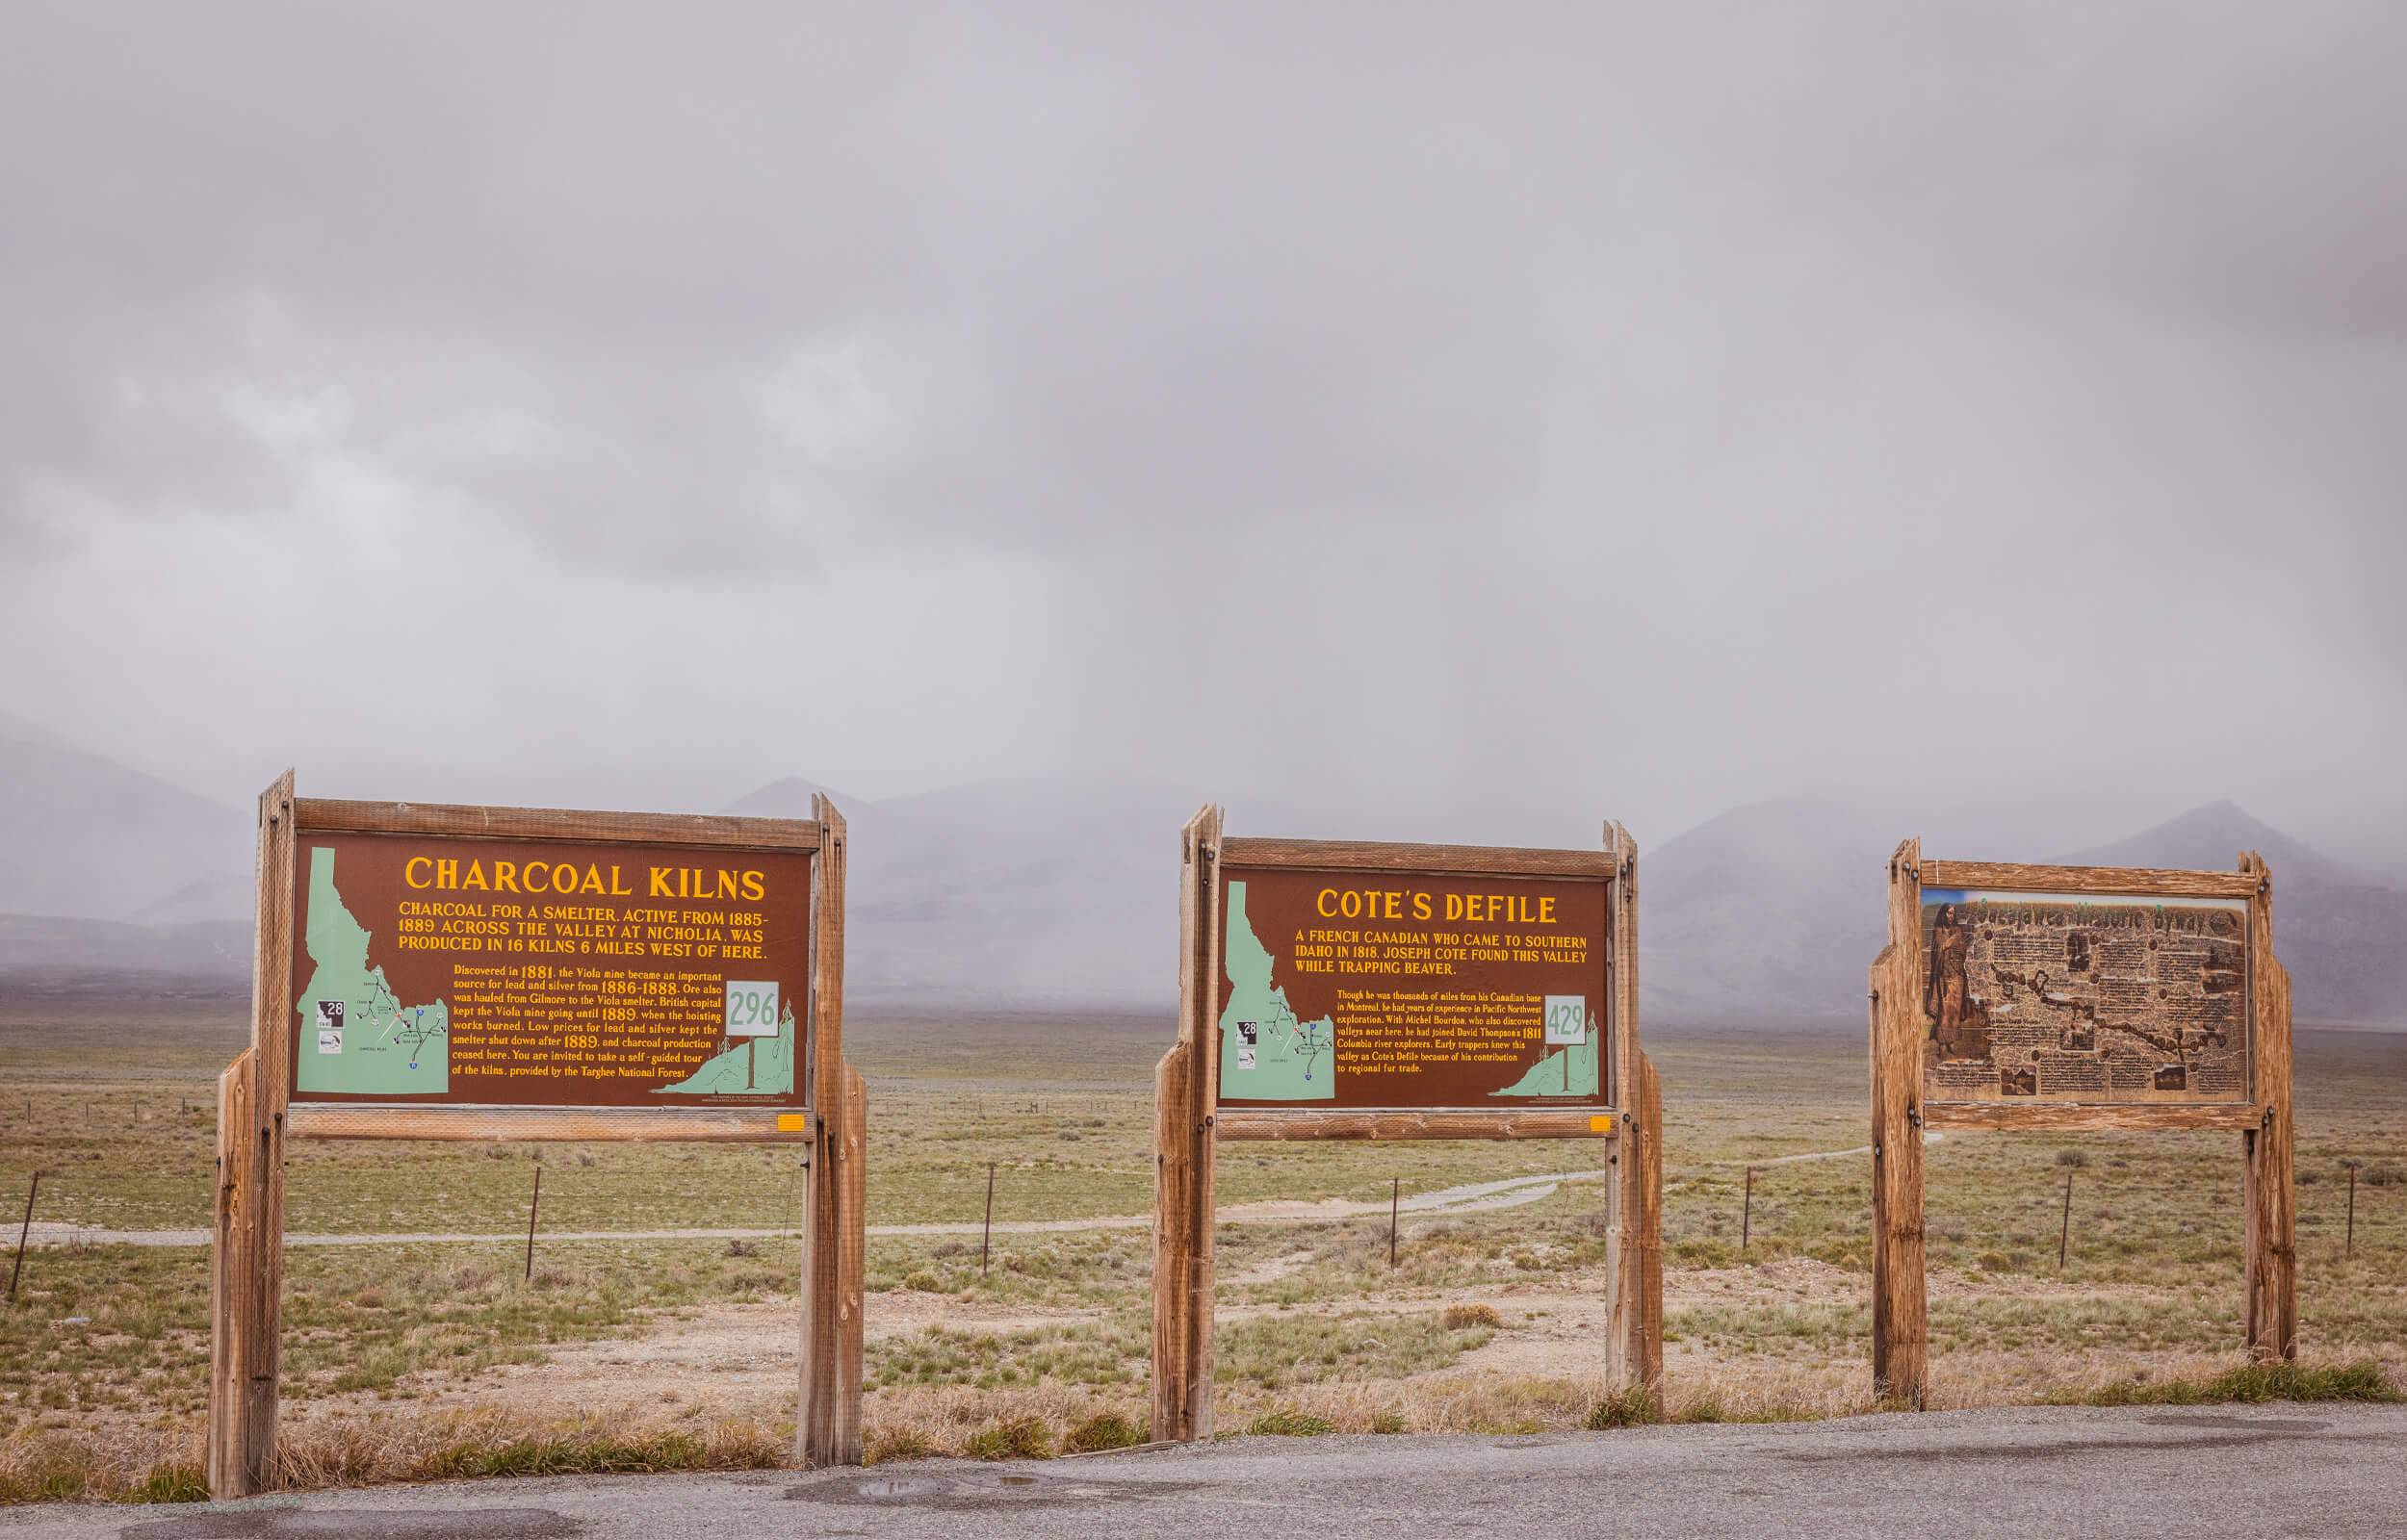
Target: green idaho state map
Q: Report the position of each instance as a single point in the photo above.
(1568, 1071)
(355, 1037)
(757, 1066)
(1286, 1060)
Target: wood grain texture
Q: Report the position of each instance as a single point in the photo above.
(1638, 1306)
(1184, 1088)
(2142, 880)
(829, 870)
(2269, 1196)
(1633, 1206)
(1301, 1125)
(248, 1312)
(1174, 1199)
(1477, 861)
(827, 1420)
(233, 1268)
(852, 1232)
(2079, 1116)
(320, 815)
(1901, 1321)
(696, 1125)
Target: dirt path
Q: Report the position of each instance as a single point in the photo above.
(1473, 1198)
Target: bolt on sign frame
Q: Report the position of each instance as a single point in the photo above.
(295, 1082)
(1984, 957)
(1615, 1095)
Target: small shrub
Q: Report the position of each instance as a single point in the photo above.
(744, 1248)
(1634, 1407)
(924, 1281)
(1021, 1438)
(1387, 1423)
(1105, 1430)
(170, 1483)
(2071, 1158)
(1291, 1424)
(889, 1444)
(1459, 1317)
(2359, 1381)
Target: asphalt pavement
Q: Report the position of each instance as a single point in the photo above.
(2161, 1471)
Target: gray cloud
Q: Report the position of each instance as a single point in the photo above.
(1557, 411)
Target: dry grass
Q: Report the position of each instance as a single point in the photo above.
(1487, 1324)
(38, 1465)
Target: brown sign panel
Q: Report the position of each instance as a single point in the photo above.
(2086, 997)
(549, 973)
(1353, 989)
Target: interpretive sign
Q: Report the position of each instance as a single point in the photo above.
(2066, 998)
(542, 973)
(1337, 989)
(2084, 997)
(1346, 989)
(528, 973)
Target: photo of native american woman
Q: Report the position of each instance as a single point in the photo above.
(1960, 1024)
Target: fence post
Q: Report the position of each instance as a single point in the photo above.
(533, 1203)
(986, 1241)
(1746, 1211)
(27, 1226)
(2064, 1227)
(2349, 1249)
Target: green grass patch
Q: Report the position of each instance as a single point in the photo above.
(1018, 1438)
(2360, 1381)
(1634, 1407)
(1105, 1430)
(1290, 1424)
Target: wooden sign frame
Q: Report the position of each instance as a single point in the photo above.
(255, 1117)
(1189, 1124)
(1900, 1112)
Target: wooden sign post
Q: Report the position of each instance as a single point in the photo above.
(2075, 997)
(505, 973)
(1341, 990)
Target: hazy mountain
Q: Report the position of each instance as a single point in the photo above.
(1037, 893)
(1770, 911)
(2340, 931)
(1019, 891)
(1773, 911)
(2211, 838)
(82, 835)
(54, 956)
(789, 797)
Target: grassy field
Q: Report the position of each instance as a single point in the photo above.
(419, 1358)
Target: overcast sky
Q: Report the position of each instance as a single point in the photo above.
(1576, 409)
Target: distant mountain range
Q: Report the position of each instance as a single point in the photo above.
(1775, 910)
(1027, 893)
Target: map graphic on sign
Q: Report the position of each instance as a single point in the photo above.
(755, 1067)
(357, 1038)
(1570, 1072)
(2084, 997)
(1266, 1054)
